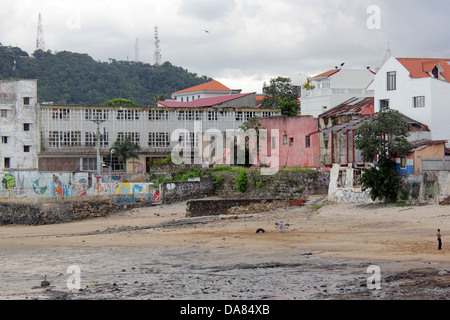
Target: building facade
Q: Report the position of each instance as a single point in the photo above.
(19, 129)
(69, 133)
(296, 145)
(334, 87)
(418, 88)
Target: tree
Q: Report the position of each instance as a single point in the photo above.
(120, 102)
(381, 138)
(280, 95)
(308, 85)
(125, 150)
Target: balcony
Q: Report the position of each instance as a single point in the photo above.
(329, 92)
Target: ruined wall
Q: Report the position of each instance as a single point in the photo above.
(53, 211)
(283, 185)
(343, 186)
(172, 192)
(199, 208)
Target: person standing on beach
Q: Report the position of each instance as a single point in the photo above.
(438, 235)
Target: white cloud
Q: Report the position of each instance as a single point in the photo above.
(249, 41)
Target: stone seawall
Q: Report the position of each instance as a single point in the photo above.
(173, 192)
(200, 208)
(65, 210)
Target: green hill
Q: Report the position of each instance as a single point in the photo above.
(73, 78)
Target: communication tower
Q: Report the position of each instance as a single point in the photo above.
(40, 43)
(157, 49)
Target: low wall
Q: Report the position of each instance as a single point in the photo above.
(200, 208)
(172, 192)
(54, 211)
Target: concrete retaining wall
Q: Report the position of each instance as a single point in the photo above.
(53, 211)
(199, 208)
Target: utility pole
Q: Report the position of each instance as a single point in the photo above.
(99, 137)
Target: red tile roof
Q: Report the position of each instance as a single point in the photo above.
(209, 86)
(203, 102)
(353, 106)
(327, 74)
(420, 67)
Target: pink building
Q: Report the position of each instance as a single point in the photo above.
(298, 147)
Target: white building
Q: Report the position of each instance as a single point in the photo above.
(207, 90)
(68, 133)
(333, 88)
(418, 88)
(19, 127)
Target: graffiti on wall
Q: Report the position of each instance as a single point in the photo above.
(61, 185)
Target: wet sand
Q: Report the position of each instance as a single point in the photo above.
(157, 253)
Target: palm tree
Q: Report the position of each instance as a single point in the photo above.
(308, 85)
(125, 150)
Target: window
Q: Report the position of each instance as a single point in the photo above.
(239, 116)
(26, 127)
(96, 114)
(324, 108)
(128, 115)
(64, 139)
(26, 101)
(291, 142)
(62, 114)
(274, 143)
(392, 80)
(403, 163)
(212, 115)
(4, 140)
(89, 164)
(308, 141)
(159, 139)
(285, 140)
(26, 148)
(3, 113)
(384, 104)
(135, 137)
(158, 115)
(91, 140)
(7, 163)
(419, 102)
(248, 115)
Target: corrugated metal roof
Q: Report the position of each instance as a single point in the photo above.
(353, 106)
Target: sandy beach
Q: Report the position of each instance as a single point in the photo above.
(332, 246)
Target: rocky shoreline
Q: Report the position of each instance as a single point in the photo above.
(196, 273)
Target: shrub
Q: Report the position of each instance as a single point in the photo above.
(241, 182)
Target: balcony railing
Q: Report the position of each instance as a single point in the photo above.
(328, 92)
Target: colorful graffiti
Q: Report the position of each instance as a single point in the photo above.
(51, 185)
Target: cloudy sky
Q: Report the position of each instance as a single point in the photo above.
(248, 41)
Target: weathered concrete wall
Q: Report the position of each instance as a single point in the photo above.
(171, 192)
(283, 185)
(53, 211)
(60, 185)
(200, 208)
(342, 187)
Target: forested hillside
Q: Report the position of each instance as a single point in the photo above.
(74, 78)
